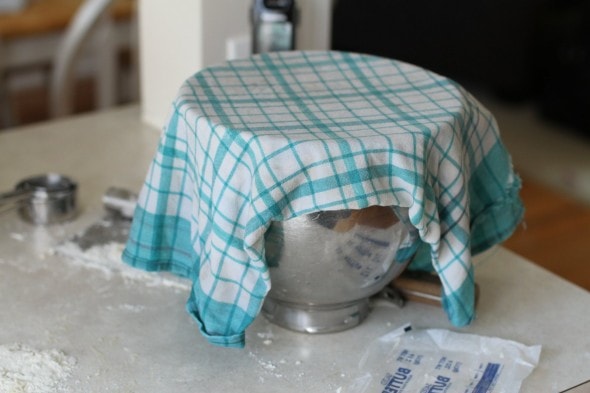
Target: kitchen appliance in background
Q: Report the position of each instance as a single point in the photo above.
(460, 39)
(525, 50)
(561, 63)
(273, 25)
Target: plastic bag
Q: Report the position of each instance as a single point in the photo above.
(442, 361)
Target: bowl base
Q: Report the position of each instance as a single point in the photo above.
(315, 319)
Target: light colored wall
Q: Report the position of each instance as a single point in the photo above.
(170, 50)
(314, 29)
(179, 37)
(222, 19)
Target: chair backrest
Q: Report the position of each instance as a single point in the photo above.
(86, 19)
(6, 119)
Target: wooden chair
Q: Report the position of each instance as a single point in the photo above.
(5, 104)
(90, 25)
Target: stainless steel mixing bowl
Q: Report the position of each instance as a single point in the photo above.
(325, 266)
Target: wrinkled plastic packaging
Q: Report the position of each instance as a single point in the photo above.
(442, 361)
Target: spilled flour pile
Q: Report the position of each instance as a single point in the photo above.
(25, 370)
(106, 258)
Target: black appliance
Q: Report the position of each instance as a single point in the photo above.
(273, 23)
(562, 63)
(523, 50)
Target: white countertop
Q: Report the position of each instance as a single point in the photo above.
(127, 335)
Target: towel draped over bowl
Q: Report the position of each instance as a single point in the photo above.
(284, 134)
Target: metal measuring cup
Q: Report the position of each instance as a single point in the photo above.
(43, 199)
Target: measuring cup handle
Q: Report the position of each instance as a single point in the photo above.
(14, 196)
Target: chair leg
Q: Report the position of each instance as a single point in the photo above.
(6, 119)
(134, 49)
(86, 19)
(106, 63)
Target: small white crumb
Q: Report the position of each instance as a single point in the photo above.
(265, 335)
(18, 236)
(128, 307)
(47, 253)
(298, 362)
(267, 342)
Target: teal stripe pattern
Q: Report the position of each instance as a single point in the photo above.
(279, 135)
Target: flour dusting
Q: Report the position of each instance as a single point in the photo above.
(266, 365)
(106, 258)
(18, 236)
(25, 370)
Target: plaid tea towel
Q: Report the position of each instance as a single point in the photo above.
(283, 134)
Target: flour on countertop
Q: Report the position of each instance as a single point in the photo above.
(266, 365)
(136, 308)
(268, 335)
(25, 370)
(107, 259)
(17, 236)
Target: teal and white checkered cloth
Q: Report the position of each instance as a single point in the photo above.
(284, 134)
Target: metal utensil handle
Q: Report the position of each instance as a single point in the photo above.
(423, 287)
(120, 200)
(15, 195)
(9, 200)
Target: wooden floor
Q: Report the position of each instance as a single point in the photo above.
(555, 233)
